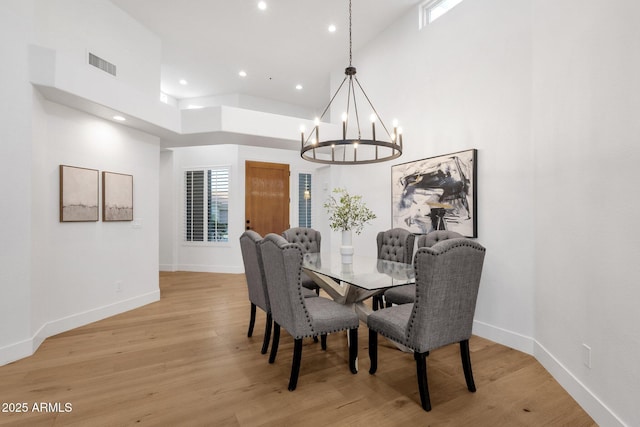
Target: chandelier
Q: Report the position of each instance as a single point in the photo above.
(352, 148)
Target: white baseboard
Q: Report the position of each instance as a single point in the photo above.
(16, 351)
(503, 336)
(26, 348)
(210, 268)
(593, 406)
(168, 267)
(601, 414)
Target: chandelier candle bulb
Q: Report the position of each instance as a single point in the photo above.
(373, 130)
(344, 126)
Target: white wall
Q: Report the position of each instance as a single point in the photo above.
(56, 276)
(73, 28)
(250, 103)
(167, 232)
(15, 180)
(585, 129)
(464, 82)
(547, 93)
(76, 267)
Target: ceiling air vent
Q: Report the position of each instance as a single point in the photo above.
(98, 62)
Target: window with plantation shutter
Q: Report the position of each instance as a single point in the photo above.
(304, 200)
(206, 212)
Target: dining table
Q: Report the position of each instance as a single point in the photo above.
(352, 283)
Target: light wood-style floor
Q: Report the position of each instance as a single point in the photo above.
(186, 360)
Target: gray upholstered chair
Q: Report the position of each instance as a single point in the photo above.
(393, 245)
(447, 281)
(254, 273)
(309, 240)
(406, 294)
(301, 317)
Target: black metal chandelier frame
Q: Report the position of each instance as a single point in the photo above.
(312, 146)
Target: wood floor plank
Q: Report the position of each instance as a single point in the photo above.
(187, 360)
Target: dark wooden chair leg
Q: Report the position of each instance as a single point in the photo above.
(267, 334)
(466, 365)
(373, 351)
(423, 387)
(353, 350)
(323, 341)
(252, 320)
(295, 365)
(274, 344)
(315, 339)
(376, 302)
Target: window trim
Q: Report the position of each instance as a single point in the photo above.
(301, 198)
(427, 7)
(183, 223)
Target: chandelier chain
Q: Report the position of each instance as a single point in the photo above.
(350, 55)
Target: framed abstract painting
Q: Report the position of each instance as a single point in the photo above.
(437, 193)
(78, 194)
(117, 197)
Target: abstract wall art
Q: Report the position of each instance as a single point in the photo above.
(438, 193)
(78, 194)
(117, 197)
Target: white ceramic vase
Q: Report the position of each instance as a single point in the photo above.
(346, 249)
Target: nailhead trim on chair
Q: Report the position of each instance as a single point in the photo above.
(296, 247)
(461, 242)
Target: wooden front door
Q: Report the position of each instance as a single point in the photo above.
(266, 197)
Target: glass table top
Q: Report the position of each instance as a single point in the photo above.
(365, 272)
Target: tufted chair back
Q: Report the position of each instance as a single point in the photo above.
(395, 245)
(428, 240)
(254, 270)
(283, 269)
(447, 280)
(307, 238)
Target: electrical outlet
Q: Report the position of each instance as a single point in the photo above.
(119, 286)
(586, 355)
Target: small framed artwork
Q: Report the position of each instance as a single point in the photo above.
(117, 197)
(78, 194)
(438, 193)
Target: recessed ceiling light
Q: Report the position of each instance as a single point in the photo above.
(183, 82)
(332, 28)
(262, 5)
(119, 118)
(242, 73)
(299, 87)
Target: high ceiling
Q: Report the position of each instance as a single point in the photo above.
(208, 42)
